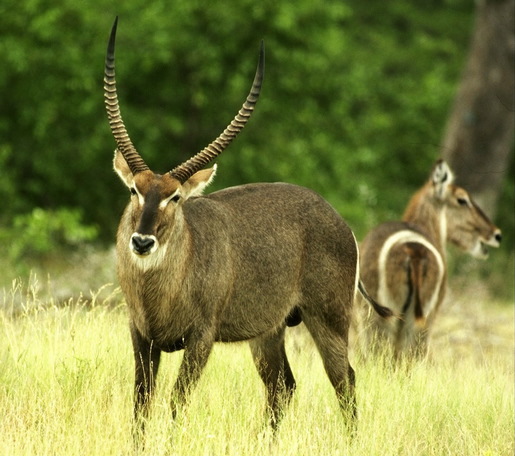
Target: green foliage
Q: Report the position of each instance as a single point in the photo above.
(348, 86)
(354, 103)
(42, 232)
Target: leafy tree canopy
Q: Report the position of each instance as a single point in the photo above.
(354, 102)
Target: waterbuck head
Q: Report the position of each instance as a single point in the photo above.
(157, 198)
(467, 225)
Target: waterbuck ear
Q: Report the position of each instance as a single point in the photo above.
(122, 169)
(196, 184)
(442, 177)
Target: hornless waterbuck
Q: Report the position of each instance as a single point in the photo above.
(239, 264)
(403, 264)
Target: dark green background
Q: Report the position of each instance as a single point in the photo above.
(354, 103)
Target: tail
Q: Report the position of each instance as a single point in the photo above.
(382, 311)
(417, 255)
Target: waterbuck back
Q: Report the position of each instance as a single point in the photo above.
(403, 264)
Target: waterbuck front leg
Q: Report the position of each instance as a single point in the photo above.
(197, 348)
(146, 362)
(274, 369)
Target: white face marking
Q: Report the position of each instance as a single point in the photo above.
(401, 237)
(166, 201)
(135, 191)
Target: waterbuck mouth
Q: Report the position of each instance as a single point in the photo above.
(484, 244)
(481, 249)
(484, 250)
(141, 254)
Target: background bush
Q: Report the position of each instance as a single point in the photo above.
(355, 99)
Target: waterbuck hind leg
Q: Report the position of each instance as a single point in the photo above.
(146, 363)
(269, 356)
(330, 334)
(196, 353)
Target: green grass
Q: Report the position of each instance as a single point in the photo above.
(66, 376)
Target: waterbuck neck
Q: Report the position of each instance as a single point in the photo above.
(152, 283)
(429, 215)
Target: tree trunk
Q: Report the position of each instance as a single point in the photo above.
(478, 143)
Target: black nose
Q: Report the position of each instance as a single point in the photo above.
(498, 237)
(142, 244)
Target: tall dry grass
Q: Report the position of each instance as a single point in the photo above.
(66, 389)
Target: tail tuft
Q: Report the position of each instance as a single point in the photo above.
(382, 311)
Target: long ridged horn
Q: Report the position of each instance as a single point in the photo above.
(184, 171)
(124, 143)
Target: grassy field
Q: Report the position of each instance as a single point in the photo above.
(66, 374)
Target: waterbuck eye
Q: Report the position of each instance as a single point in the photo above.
(133, 191)
(175, 198)
(462, 202)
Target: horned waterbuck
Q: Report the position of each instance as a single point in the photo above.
(238, 264)
(403, 264)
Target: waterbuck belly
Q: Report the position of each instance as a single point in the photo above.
(256, 314)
